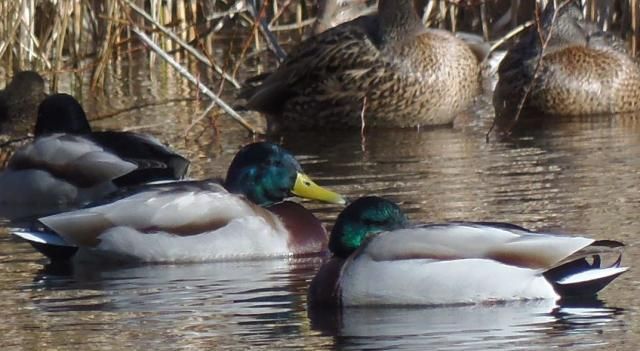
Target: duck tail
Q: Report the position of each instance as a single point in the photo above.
(48, 243)
(586, 274)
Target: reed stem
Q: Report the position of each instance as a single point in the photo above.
(185, 73)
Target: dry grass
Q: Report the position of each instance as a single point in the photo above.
(85, 36)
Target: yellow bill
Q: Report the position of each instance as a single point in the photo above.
(307, 188)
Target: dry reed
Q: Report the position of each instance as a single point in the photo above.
(54, 36)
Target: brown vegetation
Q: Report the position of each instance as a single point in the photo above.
(54, 36)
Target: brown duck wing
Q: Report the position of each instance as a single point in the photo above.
(317, 59)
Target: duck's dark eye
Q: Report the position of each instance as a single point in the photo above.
(374, 222)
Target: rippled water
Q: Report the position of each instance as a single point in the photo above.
(576, 176)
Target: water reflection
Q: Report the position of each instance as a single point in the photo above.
(195, 305)
(224, 305)
(513, 326)
(544, 178)
(577, 175)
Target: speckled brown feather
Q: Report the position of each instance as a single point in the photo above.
(401, 77)
(19, 103)
(583, 80)
(583, 72)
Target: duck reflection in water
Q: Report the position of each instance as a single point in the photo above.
(204, 304)
(541, 324)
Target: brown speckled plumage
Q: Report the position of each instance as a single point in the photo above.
(402, 74)
(19, 103)
(583, 72)
(18, 110)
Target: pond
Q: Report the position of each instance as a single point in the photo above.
(578, 176)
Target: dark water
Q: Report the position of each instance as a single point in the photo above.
(576, 176)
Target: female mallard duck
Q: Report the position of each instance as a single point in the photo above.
(380, 260)
(68, 165)
(19, 101)
(384, 70)
(200, 220)
(583, 72)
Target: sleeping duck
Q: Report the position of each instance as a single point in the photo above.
(383, 70)
(68, 165)
(379, 259)
(580, 71)
(193, 221)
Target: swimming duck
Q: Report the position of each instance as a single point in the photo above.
(379, 259)
(584, 71)
(67, 165)
(384, 70)
(199, 220)
(19, 102)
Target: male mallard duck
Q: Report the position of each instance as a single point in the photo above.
(68, 165)
(584, 71)
(200, 220)
(380, 260)
(384, 70)
(19, 101)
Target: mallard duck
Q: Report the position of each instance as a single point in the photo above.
(584, 71)
(19, 101)
(379, 259)
(384, 70)
(199, 220)
(67, 165)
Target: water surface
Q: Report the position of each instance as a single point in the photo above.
(577, 176)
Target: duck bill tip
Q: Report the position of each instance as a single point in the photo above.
(306, 188)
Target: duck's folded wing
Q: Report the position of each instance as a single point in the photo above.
(72, 158)
(509, 245)
(178, 209)
(154, 160)
(321, 59)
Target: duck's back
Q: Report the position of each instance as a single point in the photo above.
(55, 173)
(585, 80)
(154, 160)
(583, 71)
(174, 222)
(424, 81)
(349, 74)
(347, 46)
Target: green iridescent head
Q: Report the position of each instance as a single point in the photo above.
(266, 173)
(364, 217)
